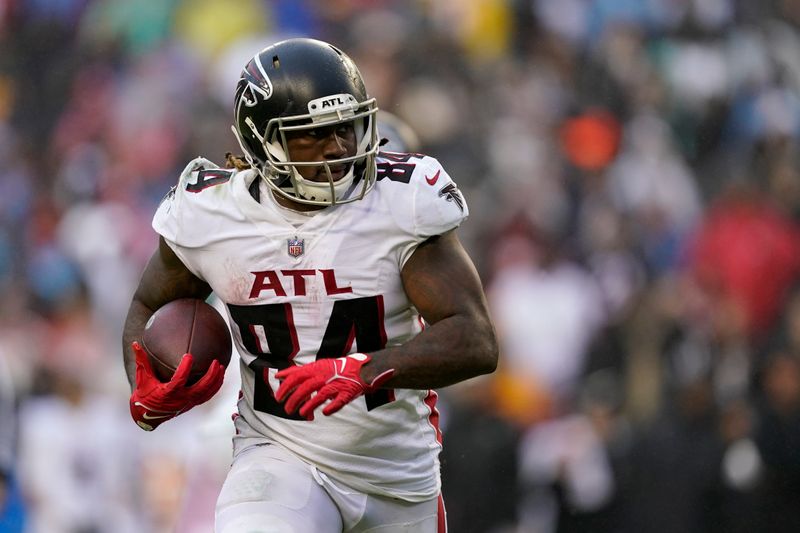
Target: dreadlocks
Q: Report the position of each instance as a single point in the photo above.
(235, 161)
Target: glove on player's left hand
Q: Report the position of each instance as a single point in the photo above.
(338, 380)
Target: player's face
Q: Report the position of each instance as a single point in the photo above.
(322, 144)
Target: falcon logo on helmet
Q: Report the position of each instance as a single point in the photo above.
(254, 83)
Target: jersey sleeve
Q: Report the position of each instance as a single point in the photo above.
(176, 216)
(437, 205)
(169, 216)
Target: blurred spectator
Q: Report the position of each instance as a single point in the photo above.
(11, 507)
(569, 465)
(676, 465)
(777, 421)
(746, 256)
(56, 460)
(479, 460)
(591, 140)
(652, 186)
(778, 437)
(8, 421)
(137, 26)
(208, 26)
(547, 310)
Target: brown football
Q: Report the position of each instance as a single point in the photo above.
(186, 326)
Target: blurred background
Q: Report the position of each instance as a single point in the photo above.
(632, 172)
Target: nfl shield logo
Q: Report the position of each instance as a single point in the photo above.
(296, 246)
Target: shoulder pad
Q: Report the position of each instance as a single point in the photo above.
(433, 203)
(183, 210)
(201, 174)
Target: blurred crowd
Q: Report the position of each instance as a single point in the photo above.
(632, 172)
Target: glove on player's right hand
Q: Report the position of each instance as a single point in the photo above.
(153, 402)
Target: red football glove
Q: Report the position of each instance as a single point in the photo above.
(338, 380)
(153, 402)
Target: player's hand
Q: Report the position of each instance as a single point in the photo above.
(153, 402)
(338, 380)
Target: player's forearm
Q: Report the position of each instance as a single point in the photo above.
(138, 315)
(452, 350)
(164, 279)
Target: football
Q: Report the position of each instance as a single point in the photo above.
(186, 326)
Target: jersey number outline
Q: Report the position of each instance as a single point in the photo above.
(268, 332)
(396, 167)
(208, 178)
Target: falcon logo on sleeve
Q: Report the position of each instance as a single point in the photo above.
(169, 197)
(451, 193)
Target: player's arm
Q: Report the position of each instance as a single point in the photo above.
(152, 402)
(442, 283)
(165, 278)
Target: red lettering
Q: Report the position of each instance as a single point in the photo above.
(266, 280)
(330, 283)
(299, 280)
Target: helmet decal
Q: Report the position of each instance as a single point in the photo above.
(258, 83)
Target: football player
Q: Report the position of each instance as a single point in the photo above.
(349, 296)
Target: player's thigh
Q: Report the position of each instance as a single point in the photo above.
(389, 515)
(269, 491)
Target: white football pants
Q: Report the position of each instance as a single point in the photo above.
(269, 490)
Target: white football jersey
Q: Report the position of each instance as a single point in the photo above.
(298, 288)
